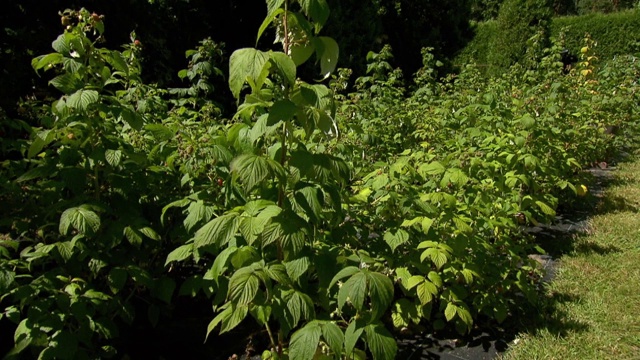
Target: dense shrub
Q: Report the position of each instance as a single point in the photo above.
(518, 20)
(616, 34)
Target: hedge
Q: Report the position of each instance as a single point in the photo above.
(616, 34)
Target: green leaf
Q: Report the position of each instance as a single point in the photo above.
(133, 236)
(546, 209)
(65, 249)
(132, 118)
(117, 278)
(83, 220)
(285, 66)
(35, 173)
(450, 311)
(355, 289)
(333, 336)
(67, 83)
(304, 342)
(351, 336)
(6, 280)
(300, 53)
(245, 63)
(253, 170)
(297, 267)
(220, 263)
(62, 44)
(309, 198)
(218, 231)
(271, 15)
(317, 10)
(300, 306)
(438, 257)
(113, 157)
(243, 286)
(46, 61)
(42, 139)
(396, 239)
(180, 253)
(231, 317)
(282, 110)
(327, 51)
(434, 168)
(160, 132)
(426, 291)
(381, 343)
(346, 272)
(81, 99)
(196, 212)
(381, 289)
(149, 232)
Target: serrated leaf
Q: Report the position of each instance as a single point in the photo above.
(117, 278)
(82, 98)
(282, 110)
(297, 267)
(351, 335)
(355, 289)
(65, 249)
(381, 343)
(196, 212)
(426, 291)
(180, 253)
(300, 306)
(218, 231)
(396, 239)
(220, 263)
(285, 66)
(6, 280)
(546, 209)
(271, 15)
(438, 257)
(346, 272)
(253, 170)
(243, 286)
(450, 311)
(434, 168)
(381, 289)
(462, 225)
(245, 63)
(83, 220)
(317, 10)
(333, 336)
(113, 157)
(304, 342)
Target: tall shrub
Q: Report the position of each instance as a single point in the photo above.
(518, 20)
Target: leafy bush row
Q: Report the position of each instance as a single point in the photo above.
(614, 33)
(334, 221)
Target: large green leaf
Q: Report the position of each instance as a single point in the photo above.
(304, 342)
(333, 336)
(327, 50)
(180, 253)
(253, 170)
(82, 98)
(355, 289)
(317, 10)
(381, 343)
(285, 66)
(300, 306)
(395, 239)
(243, 286)
(381, 291)
(245, 63)
(218, 231)
(81, 219)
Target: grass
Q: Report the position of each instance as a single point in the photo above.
(592, 309)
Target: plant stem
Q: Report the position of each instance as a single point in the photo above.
(285, 21)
